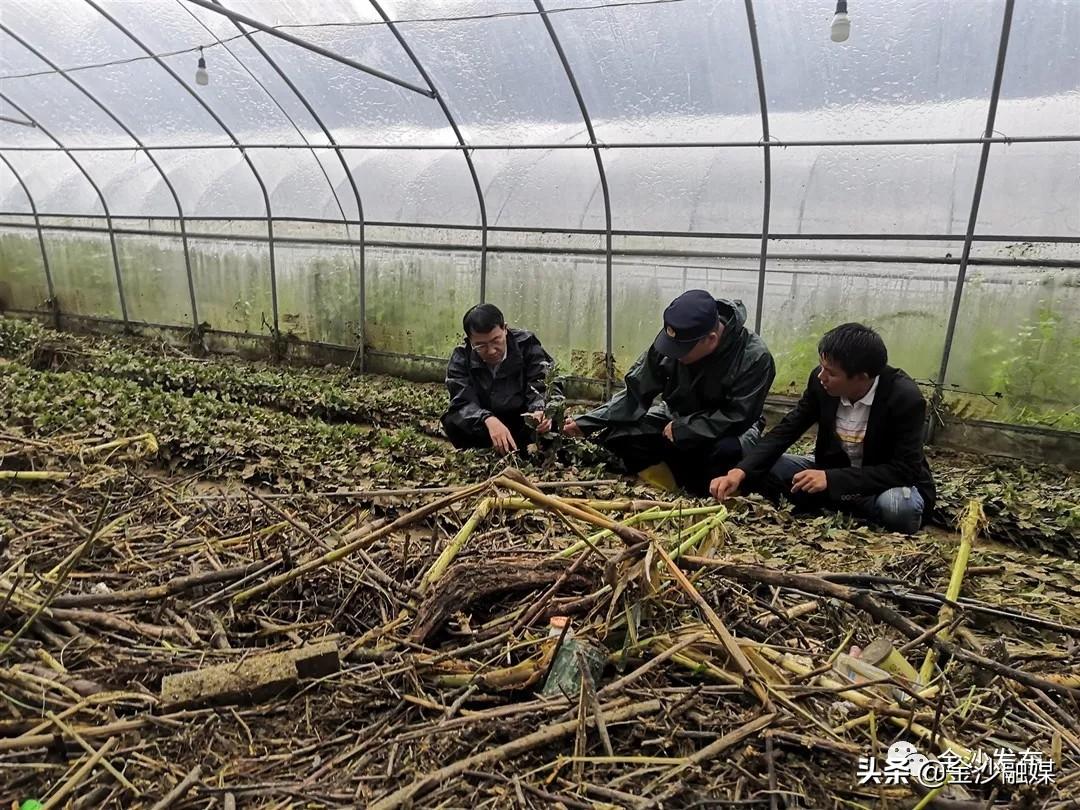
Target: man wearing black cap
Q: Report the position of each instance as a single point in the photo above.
(711, 375)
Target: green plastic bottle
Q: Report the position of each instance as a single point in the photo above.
(564, 676)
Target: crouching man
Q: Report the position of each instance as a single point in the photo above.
(495, 378)
(710, 374)
(868, 458)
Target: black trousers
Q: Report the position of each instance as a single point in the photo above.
(643, 445)
(464, 439)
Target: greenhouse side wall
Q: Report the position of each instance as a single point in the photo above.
(1015, 359)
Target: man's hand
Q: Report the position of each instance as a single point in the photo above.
(669, 434)
(810, 481)
(570, 428)
(501, 438)
(725, 486)
(543, 424)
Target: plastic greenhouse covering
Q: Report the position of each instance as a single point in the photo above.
(577, 162)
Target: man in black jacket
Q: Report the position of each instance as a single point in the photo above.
(868, 458)
(711, 375)
(495, 378)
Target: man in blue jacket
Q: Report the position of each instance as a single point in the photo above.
(495, 378)
(710, 375)
(868, 457)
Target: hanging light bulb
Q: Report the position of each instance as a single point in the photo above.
(201, 76)
(841, 25)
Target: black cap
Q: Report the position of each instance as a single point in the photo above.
(687, 319)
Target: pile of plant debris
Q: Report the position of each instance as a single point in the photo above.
(214, 602)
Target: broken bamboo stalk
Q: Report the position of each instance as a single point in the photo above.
(753, 680)
(147, 438)
(866, 602)
(714, 749)
(851, 694)
(649, 516)
(969, 526)
(32, 475)
(404, 796)
(628, 535)
(76, 778)
(356, 540)
(438, 568)
(171, 588)
(65, 728)
(68, 567)
(182, 787)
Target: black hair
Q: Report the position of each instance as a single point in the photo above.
(857, 349)
(481, 319)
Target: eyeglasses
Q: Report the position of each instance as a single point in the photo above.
(494, 343)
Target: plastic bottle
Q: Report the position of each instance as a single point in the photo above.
(564, 676)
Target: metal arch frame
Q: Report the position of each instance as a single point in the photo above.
(767, 157)
(774, 236)
(502, 147)
(247, 159)
(101, 197)
(976, 198)
(141, 146)
(235, 16)
(345, 167)
(53, 305)
(609, 360)
(273, 100)
(443, 247)
(466, 149)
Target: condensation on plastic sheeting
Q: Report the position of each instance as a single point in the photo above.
(650, 74)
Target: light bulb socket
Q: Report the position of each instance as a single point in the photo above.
(841, 6)
(202, 63)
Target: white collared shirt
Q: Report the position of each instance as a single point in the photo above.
(851, 419)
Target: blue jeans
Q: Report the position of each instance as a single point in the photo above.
(899, 509)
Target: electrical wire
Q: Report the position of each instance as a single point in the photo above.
(371, 23)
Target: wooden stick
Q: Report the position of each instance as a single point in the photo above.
(652, 663)
(864, 601)
(170, 588)
(70, 564)
(355, 540)
(403, 796)
(714, 749)
(64, 727)
(732, 646)
(594, 701)
(181, 788)
(394, 493)
(73, 781)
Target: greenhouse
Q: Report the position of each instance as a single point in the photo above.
(242, 245)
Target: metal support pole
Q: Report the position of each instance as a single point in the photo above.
(609, 359)
(767, 157)
(309, 46)
(101, 198)
(547, 147)
(348, 174)
(973, 216)
(54, 305)
(466, 150)
(142, 146)
(210, 111)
